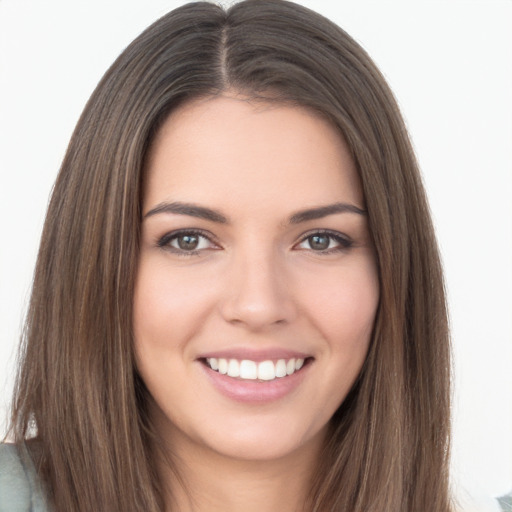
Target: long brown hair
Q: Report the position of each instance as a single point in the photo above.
(78, 392)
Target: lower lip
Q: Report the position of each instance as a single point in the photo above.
(255, 391)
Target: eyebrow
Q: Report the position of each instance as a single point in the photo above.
(324, 211)
(192, 210)
(201, 212)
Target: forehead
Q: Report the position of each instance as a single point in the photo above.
(221, 148)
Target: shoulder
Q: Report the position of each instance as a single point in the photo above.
(19, 487)
(506, 502)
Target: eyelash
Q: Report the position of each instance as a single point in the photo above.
(165, 241)
(344, 242)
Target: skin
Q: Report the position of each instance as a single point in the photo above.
(255, 282)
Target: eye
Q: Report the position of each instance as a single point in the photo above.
(190, 242)
(325, 241)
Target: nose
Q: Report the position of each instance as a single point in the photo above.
(257, 293)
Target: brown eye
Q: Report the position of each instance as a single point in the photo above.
(325, 242)
(319, 242)
(187, 242)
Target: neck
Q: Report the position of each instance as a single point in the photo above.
(202, 480)
(247, 487)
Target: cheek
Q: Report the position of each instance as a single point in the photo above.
(169, 306)
(344, 305)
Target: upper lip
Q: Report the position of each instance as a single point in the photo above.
(252, 354)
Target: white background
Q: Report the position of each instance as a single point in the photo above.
(450, 65)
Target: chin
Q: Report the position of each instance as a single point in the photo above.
(260, 439)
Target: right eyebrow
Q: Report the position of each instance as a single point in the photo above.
(324, 211)
(189, 209)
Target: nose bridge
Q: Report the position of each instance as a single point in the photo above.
(257, 294)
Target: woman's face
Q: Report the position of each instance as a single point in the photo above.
(256, 261)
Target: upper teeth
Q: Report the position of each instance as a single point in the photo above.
(247, 369)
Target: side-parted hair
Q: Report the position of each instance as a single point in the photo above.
(78, 393)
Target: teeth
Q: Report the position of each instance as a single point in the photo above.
(223, 366)
(251, 370)
(248, 370)
(266, 370)
(281, 368)
(233, 368)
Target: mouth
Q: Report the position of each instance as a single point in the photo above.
(264, 371)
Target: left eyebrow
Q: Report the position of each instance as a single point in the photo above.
(324, 211)
(189, 209)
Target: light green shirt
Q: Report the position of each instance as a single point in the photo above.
(20, 490)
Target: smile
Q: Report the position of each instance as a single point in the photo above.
(251, 370)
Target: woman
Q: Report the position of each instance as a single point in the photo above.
(238, 301)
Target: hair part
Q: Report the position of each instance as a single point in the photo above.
(388, 446)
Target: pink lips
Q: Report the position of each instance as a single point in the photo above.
(255, 391)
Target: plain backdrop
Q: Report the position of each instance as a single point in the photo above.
(450, 65)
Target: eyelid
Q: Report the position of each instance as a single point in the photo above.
(164, 241)
(344, 240)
